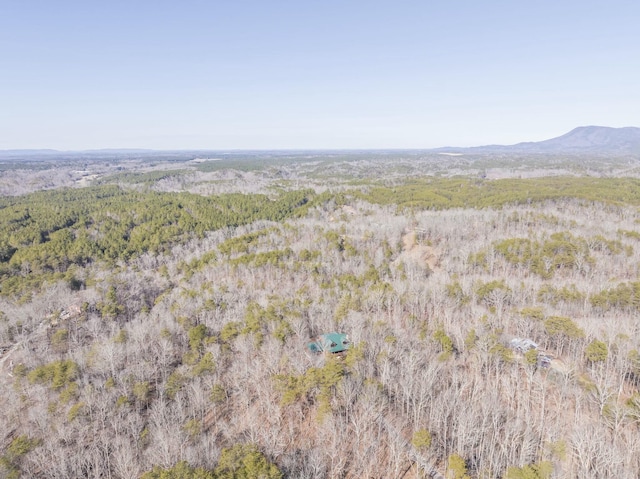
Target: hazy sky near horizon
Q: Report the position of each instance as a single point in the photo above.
(249, 74)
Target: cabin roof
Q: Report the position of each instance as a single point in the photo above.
(332, 342)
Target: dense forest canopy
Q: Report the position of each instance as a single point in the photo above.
(155, 319)
(48, 232)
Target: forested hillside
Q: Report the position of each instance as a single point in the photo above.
(156, 325)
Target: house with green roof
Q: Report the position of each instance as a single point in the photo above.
(330, 343)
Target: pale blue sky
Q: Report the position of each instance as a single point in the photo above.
(313, 74)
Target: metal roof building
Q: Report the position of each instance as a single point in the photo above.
(330, 343)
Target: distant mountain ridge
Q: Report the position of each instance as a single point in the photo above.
(580, 140)
(592, 138)
(586, 140)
